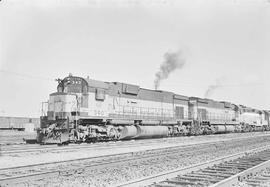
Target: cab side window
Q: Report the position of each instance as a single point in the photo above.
(100, 94)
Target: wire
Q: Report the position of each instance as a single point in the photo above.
(171, 83)
(26, 75)
(220, 85)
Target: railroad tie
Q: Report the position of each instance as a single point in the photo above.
(181, 182)
(164, 185)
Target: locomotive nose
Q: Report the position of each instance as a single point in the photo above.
(61, 106)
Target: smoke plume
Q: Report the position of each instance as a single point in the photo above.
(172, 61)
(210, 90)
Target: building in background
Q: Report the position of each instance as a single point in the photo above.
(19, 123)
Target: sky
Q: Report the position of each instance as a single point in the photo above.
(225, 44)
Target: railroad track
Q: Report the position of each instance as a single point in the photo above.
(59, 149)
(46, 170)
(221, 172)
(15, 150)
(72, 147)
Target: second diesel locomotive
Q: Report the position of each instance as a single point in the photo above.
(86, 110)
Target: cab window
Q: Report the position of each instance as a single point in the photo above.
(100, 94)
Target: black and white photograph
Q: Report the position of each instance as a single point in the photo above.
(134, 93)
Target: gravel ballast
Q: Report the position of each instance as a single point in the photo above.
(110, 175)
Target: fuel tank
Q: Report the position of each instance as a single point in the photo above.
(230, 128)
(151, 131)
(220, 128)
(128, 132)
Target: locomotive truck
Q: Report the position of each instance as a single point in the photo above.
(87, 110)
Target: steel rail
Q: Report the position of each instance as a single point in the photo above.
(100, 146)
(233, 180)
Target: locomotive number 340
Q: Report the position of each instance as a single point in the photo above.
(98, 112)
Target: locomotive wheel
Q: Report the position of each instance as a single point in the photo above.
(113, 134)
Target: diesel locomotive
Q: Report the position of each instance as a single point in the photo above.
(86, 110)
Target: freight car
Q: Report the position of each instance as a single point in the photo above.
(18, 123)
(86, 110)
